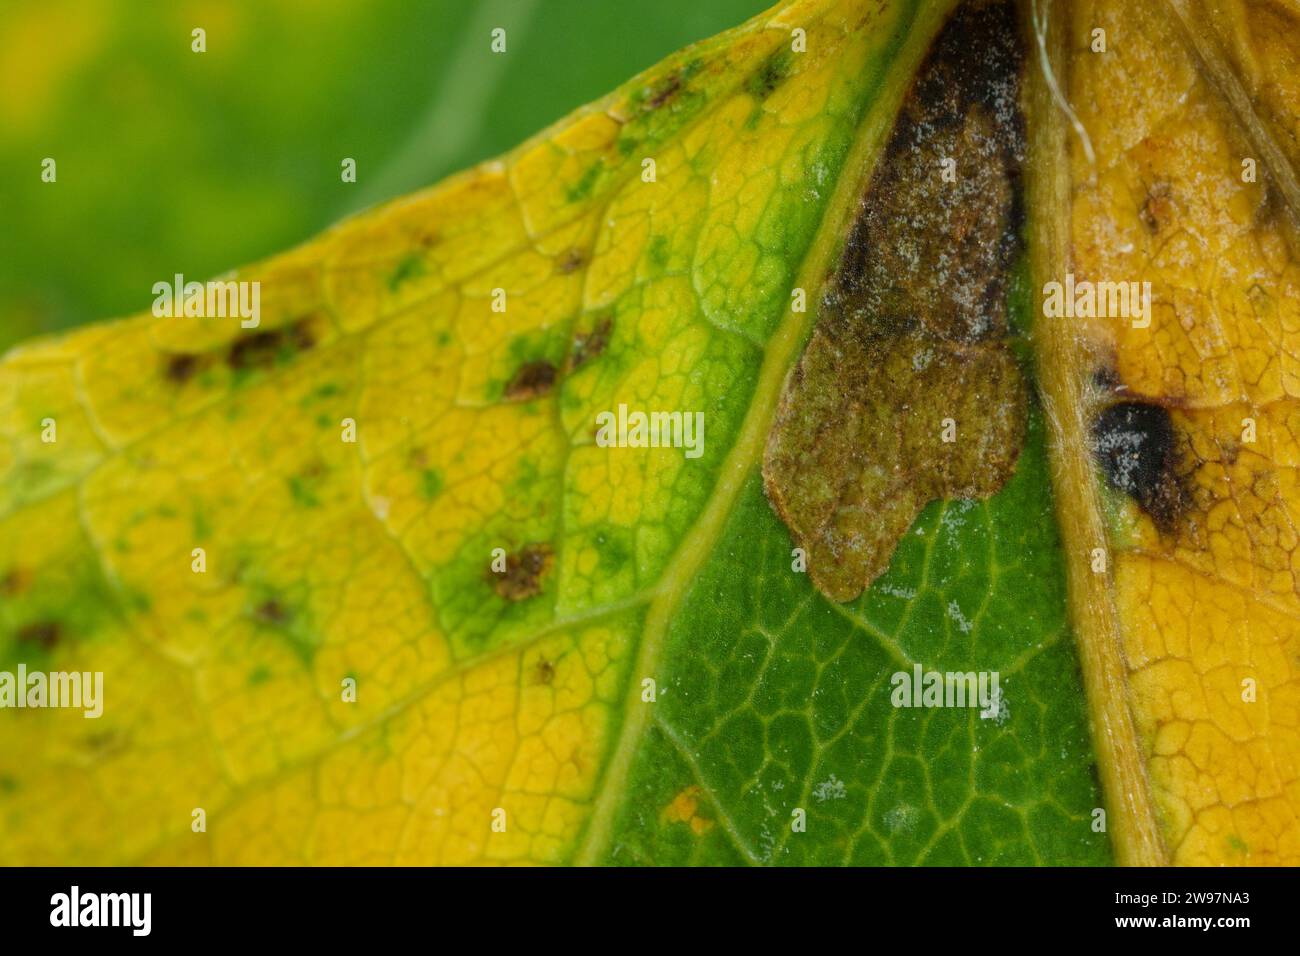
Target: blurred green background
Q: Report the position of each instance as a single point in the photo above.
(173, 161)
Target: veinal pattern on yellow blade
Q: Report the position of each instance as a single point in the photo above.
(328, 560)
(1207, 556)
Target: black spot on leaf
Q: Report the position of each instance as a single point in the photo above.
(1136, 445)
(1105, 378)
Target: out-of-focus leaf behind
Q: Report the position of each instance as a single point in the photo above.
(164, 168)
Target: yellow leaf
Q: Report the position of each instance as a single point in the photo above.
(1190, 635)
(365, 584)
(328, 560)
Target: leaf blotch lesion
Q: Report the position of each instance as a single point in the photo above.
(532, 380)
(181, 367)
(15, 581)
(663, 92)
(770, 74)
(670, 88)
(1140, 452)
(908, 389)
(570, 261)
(543, 673)
(268, 348)
(590, 343)
(45, 635)
(273, 612)
(1157, 210)
(524, 572)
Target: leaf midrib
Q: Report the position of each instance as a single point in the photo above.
(745, 453)
(1060, 360)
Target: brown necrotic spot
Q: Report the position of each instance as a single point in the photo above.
(271, 612)
(524, 571)
(590, 344)
(912, 329)
(1137, 447)
(305, 333)
(100, 744)
(264, 348)
(180, 368)
(570, 261)
(1229, 450)
(43, 634)
(771, 74)
(258, 350)
(663, 92)
(532, 380)
(1157, 209)
(543, 672)
(15, 581)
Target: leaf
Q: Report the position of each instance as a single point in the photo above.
(1197, 613)
(567, 652)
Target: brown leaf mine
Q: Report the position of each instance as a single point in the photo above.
(907, 390)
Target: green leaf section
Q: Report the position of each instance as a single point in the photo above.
(772, 698)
